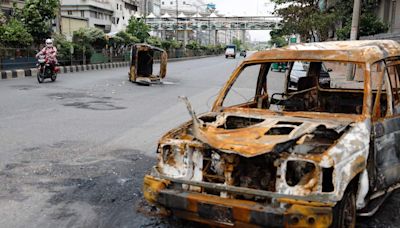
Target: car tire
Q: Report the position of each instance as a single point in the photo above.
(344, 212)
(226, 56)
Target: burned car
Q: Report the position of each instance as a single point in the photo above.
(142, 64)
(268, 156)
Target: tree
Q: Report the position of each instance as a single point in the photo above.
(127, 38)
(155, 41)
(90, 37)
(193, 45)
(237, 42)
(13, 34)
(305, 17)
(63, 47)
(3, 19)
(277, 38)
(37, 16)
(137, 28)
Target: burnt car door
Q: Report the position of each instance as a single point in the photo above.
(386, 127)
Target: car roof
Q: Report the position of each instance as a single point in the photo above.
(368, 51)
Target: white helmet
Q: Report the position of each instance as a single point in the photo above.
(49, 43)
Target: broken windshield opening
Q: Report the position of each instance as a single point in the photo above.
(301, 86)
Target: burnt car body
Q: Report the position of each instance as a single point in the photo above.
(142, 61)
(312, 157)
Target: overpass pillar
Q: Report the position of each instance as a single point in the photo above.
(185, 37)
(243, 36)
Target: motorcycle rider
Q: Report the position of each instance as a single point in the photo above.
(50, 52)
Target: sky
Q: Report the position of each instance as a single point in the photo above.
(246, 8)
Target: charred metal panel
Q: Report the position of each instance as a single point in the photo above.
(387, 151)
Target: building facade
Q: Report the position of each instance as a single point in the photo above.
(111, 16)
(389, 12)
(7, 6)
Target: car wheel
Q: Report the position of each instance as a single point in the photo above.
(344, 212)
(226, 56)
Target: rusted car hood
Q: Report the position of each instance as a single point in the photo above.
(269, 134)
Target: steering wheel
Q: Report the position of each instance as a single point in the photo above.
(278, 101)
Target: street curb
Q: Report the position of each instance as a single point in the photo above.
(22, 73)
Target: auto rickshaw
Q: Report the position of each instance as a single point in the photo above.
(279, 67)
(141, 66)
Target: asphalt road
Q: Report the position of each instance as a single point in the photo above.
(73, 153)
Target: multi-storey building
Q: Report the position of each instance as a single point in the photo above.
(150, 6)
(389, 12)
(109, 15)
(123, 10)
(7, 6)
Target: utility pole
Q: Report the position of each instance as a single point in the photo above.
(145, 11)
(177, 20)
(354, 33)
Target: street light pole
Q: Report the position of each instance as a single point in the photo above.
(177, 20)
(354, 33)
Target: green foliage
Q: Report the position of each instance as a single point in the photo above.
(14, 34)
(90, 37)
(176, 44)
(138, 29)
(166, 44)
(304, 17)
(37, 15)
(155, 41)
(277, 38)
(237, 42)
(127, 38)
(63, 46)
(193, 45)
(369, 25)
(3, 19)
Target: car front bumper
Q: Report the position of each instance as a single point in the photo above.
(225, 212)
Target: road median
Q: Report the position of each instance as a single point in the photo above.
(22, 73)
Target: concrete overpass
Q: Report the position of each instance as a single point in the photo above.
(212, 24)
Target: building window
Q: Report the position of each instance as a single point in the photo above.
(82, 13)
(171, 3)
(117, 20)
(117, 6)
(163, 3)
(69, 12)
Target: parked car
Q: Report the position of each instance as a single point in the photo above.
(141, 64)
(300, 69)
(230, 52)
(315, 157)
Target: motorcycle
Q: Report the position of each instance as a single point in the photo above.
(45, 70)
